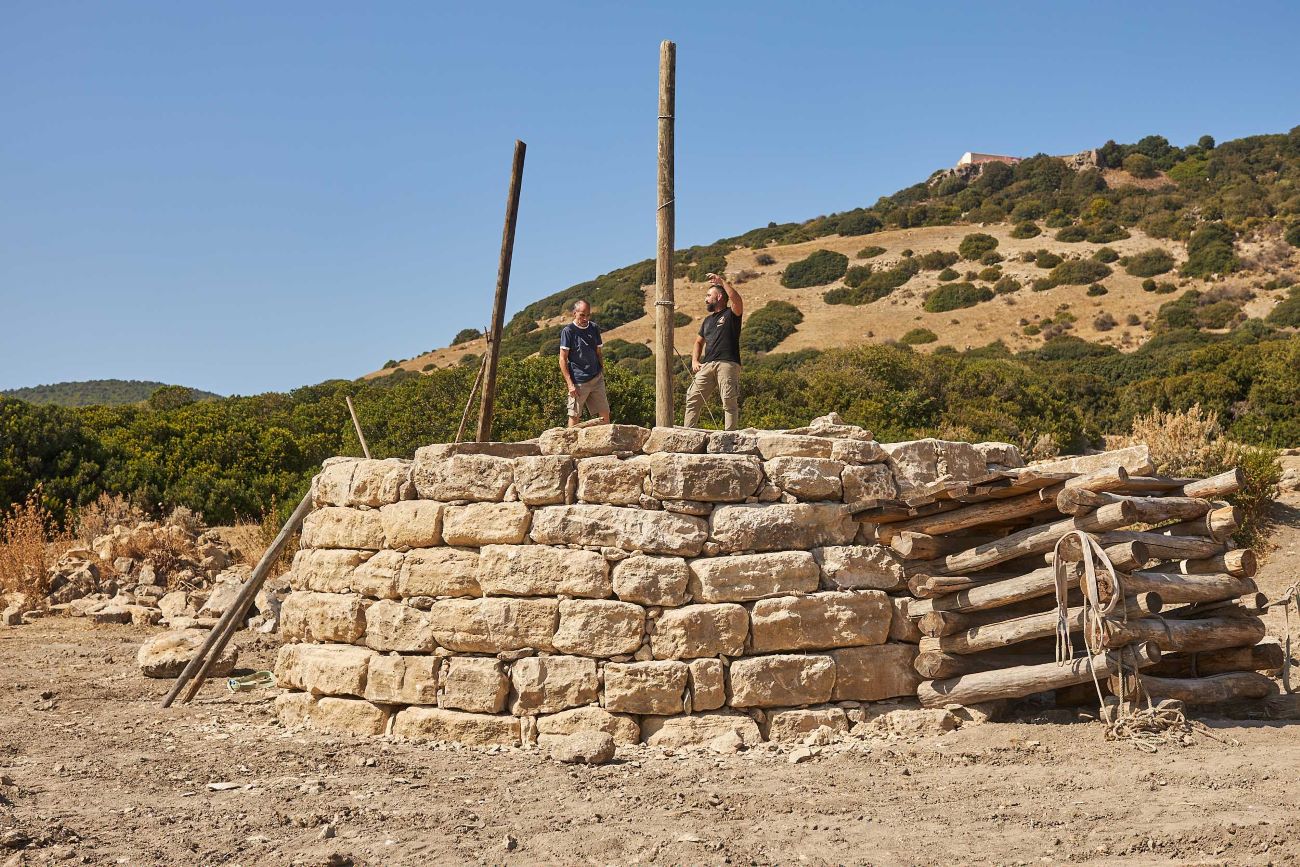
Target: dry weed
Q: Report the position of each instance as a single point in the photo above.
(29, 546)
(103, 514)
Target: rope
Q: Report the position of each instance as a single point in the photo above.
(708, 408)
(666, 204)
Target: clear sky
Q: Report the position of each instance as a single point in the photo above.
(246, 197)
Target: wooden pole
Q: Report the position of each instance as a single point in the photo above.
(482, 365)
(365, 449)
(499, 303)
(664, 218)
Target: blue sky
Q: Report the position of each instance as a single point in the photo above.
(247, 197)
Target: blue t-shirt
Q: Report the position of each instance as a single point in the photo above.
(584, 364)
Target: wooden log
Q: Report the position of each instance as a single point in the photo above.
(1150, 510)
(1125, 556)
(1252, 603)
(990, 512)
(1174, 588)
(935, 664)
(665, 230)
(487, 401)
(365, 449)
(1182, 636)
(1196, 691)
(1082, 694)
(1267, 657)
(1221, 485)
(915, 546)
(930, 586)
(1035, 540)
(1007, 632)
(1104, 479)
(940, 623)
(1217, 524)
(1026, 680)
(1164, 547)
(1240, 562)
(1040, 582)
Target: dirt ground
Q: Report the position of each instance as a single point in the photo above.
(92, 771)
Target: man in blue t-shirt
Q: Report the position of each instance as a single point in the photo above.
(583, 365)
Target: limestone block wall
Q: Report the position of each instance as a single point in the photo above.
(667, 586)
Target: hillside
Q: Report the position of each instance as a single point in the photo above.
(96, 392)
(1107, 204)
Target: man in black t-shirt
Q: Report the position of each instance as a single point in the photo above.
(716, 359)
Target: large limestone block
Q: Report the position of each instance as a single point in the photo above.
(675, 732)
(348, 716)
(645, 687)
(780, 526)
(857, 451)
(860, 567)
(868, 482)
(820, 621)
(325, 570)
(623, 729)
(806, 478)
(323, 617)
(608, 439)
(398, 679)
(1136, 459)
(486, 524)
(293, 709)
(558, 440)
(781, 680)
(875, 673)
(694, 631)
(649, 580)
(167, 653)
(1003, 455)
(708, 684)
(394, 626)
(538, 570)
(377, 577)
(362, 482)
(732, 442)
(914, 462)
(339, 527)
(902, 627)
(704, 478)
(494, 625)
(746, 577)
(616, 527)
(439, 572)
(453, 726)
(475, 683)
(778, 445)
(786, 726)
(611, 481)
(543, 480)
(480, 478)
(441, 451)
(323, 669)
(599, 627)
(412, 524)
(676, 439)
(546, 684)
(961, 461)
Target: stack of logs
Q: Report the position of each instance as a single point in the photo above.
(980, 561)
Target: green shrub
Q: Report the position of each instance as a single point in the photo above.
(1026, 230)
(1006, 285)
(769, 325)
(390, 364)
(1097, 289)
(1165, 289)
(976, 244)
(948, 274)
(1078, 272)
(1132, 319)
(1031, 330)
(1140, 166)
(990, 274)
(1105, 232)
(709, 263)
(1148, 285)
(1104, 321)
(1286, 313)
(765, 259)
(1148, 263)
(917, 336)
(876, 286)
(936, 260)
(955, 296)
(870, 252)
(992, 257)
(1072, 234)
(1046, 259)
(465, 335)
(907, 254)
(820, 268)
(857, 275)
(1292, 235)
(1106, 255)
(1057, 219)
(862, 223)
(1210, 250)
(680, 319)
(1042, 284)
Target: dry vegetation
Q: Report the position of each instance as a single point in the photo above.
(29, 545)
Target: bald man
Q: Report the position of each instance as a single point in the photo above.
(583, 365)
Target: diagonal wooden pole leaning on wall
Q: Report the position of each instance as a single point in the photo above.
(499, 303)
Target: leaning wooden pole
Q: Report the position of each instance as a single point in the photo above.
(365, 449)
(225, 628)
(499, 303)
(664, 220)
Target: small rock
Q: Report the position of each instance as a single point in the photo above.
(510, 844)
(327, 832)
(12, 616)
(727, 743)
(587, 748)
(799, 755)
(166, 655)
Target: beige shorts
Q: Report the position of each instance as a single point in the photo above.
(591, 395)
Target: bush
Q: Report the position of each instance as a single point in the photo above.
(1006, 285)
(1057, 219)
(862, 223)
(875, 287)
(857, 275)
(820, 268)
(680, 320)
(976, 244)
(955, 296)
(1045, 259)
(870, 252)
(390, 364)
(705, 264)
(765, 259)
(990, 274)
(1287, 313)
(1132, 319)
(1292, 235)
(917, 336)
(772, 323)
(1140, 166)
(1104, 321)
(1097, 289)
(617, 350)
(1148, 285)
(992, 257)
(1148, 263)
(1210, 251)
(465, 335)
(1042, 284)
(936, 260)
(1072, 234)
(1078, 272)
(1106, 255)
(948, 274)
(1105, 232)
(1026, 230)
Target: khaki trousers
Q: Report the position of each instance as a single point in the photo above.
(719, 376)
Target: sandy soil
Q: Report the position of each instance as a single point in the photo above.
(92, 771)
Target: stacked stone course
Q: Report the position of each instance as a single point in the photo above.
(666, 586)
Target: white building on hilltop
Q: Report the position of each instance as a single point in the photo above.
(970, 158)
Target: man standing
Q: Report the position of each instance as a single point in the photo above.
(583, 365)
(716, 359)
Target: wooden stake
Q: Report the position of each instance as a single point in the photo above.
(365, 449)
(482, 365)
(499, 302)
(664, 223)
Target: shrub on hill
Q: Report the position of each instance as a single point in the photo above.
(1106, 255)
(681, 320)
(992, 257)
(1026, 230)
(955, 296)
(918, 336)
(857, 275)
(1105, 232)
(1048, 260)
(769, 325)
(863, 223)
(1072, 234)
(936, 260)
(870, 252)
(1148, 263)
(991, 274)
(948, 274)
(1210, 250)
(1286, 313)
(874, 287)
(1057, 219)
(976, 245)
(1097, 289)
(821, 267)
(618, 350)
(765, 259)
(465, 335)
(1077, 272)
(1006, 285)
(1140, 166)
(1292, 235)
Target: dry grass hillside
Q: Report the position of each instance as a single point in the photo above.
(1007, 317)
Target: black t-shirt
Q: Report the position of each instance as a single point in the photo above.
(721, 333)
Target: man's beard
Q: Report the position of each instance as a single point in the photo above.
(709, 306)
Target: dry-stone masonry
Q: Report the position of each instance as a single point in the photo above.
(668, 586)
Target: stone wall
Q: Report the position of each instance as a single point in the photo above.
(666, 586)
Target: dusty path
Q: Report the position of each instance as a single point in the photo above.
(92, 771)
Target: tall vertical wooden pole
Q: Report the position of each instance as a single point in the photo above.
(499, 305)
(664, 259)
